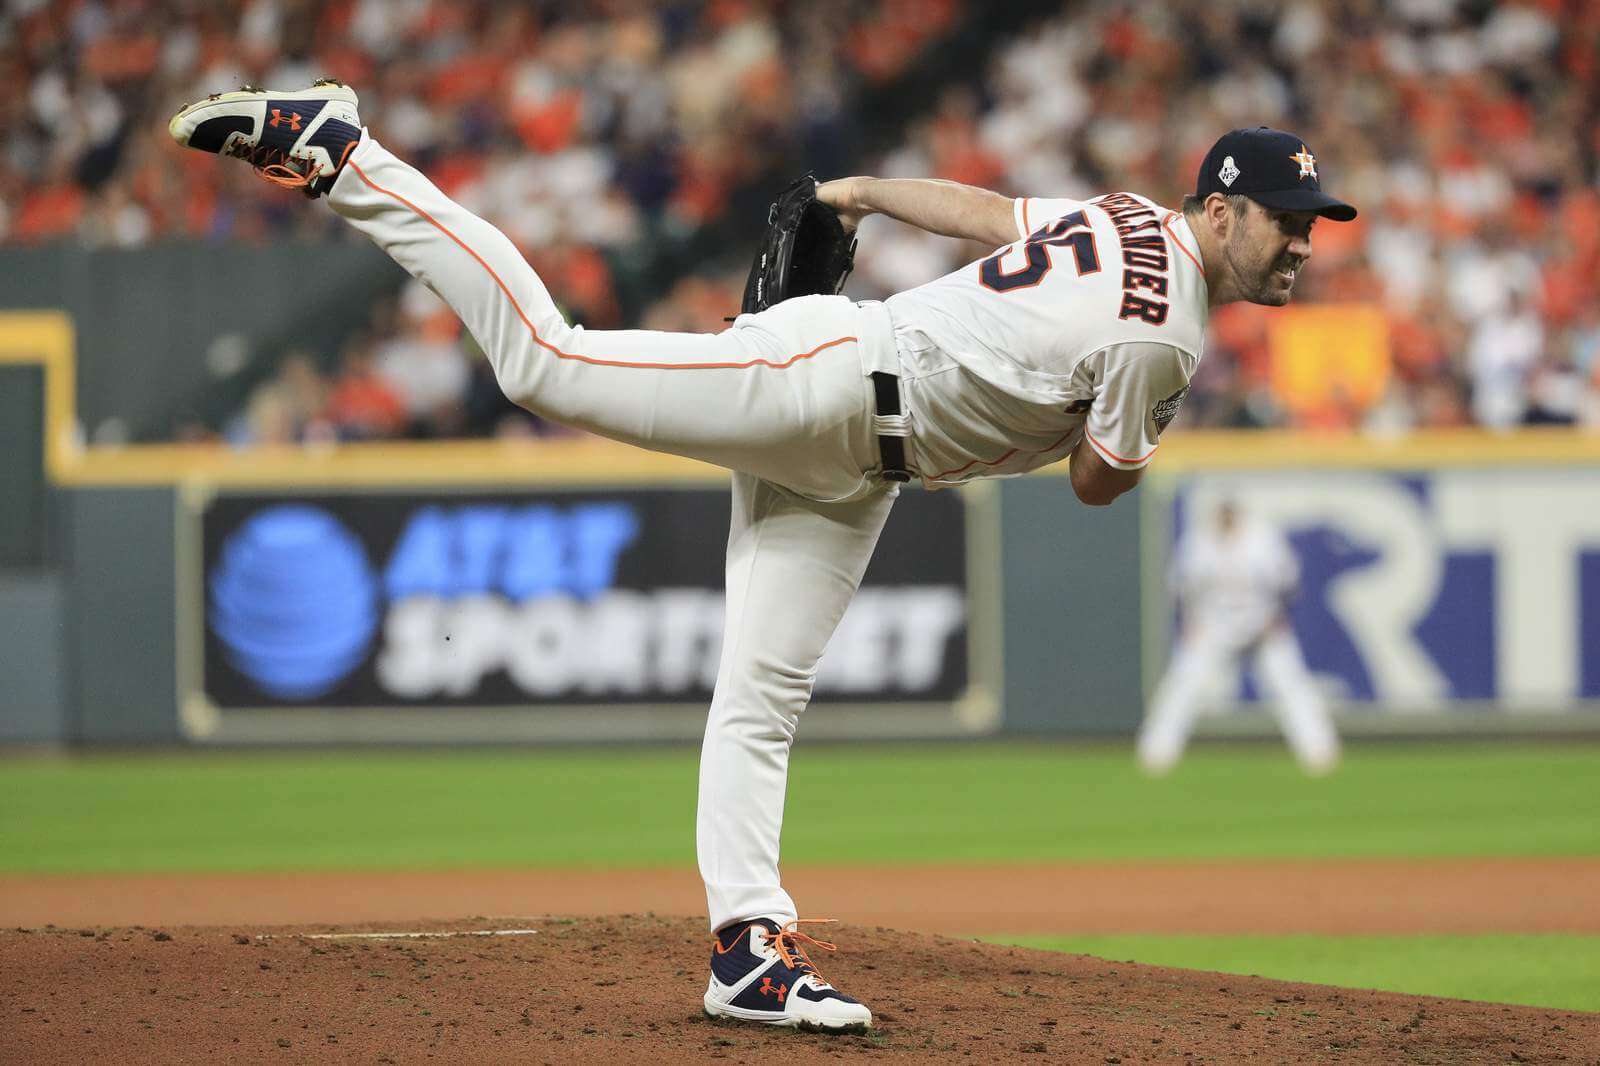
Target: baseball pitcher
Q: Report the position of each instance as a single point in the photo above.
(1075, 339)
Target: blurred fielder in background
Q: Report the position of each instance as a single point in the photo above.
(1234, 579)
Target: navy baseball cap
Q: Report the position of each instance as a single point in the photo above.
(1273, 168)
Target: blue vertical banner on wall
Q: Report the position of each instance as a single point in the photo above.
(1427, 592)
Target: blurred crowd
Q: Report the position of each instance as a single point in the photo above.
(408, 373)
(1466, 131)
(585, 131)
(570, 123)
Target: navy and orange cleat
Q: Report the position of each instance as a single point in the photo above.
(760, 973)
(298, 140)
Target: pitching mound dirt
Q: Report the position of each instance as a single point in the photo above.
(628, 989)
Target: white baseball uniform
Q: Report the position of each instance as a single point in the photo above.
(1089, 325)
(1232, 586)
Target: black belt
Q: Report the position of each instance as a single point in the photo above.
(891, 449)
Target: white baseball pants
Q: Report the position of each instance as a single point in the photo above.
(784, 399)
(1199, 658)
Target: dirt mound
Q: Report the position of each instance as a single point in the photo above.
(628, 989)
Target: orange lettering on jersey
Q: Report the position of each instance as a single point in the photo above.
(1143, 253)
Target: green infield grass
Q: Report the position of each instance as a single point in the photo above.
(1536, 969)
(215, 811)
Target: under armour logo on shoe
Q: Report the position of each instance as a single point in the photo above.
(766, 989)
(279, 118)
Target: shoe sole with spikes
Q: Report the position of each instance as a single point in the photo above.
(840, 1020)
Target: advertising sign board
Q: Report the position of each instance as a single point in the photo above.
(360, 603)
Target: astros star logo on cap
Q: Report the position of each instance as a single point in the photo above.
(1272, 167)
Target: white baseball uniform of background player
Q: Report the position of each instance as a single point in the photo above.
(1233, 577)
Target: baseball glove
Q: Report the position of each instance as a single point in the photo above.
(805, 251)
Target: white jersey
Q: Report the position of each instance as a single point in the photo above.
(1089, 325)
(1234, 584)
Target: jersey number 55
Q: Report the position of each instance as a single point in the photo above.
(1072, 230)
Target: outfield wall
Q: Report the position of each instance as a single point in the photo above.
(570, 590)
(1434, 601)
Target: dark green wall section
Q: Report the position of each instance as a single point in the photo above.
(1071, 611)
(33, 642)
(22, 492)
(123, 686)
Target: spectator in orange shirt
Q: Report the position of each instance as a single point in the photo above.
(361, 404)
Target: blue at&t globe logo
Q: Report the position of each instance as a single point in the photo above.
(293, 600)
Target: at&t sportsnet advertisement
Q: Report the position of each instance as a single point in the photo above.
(507, 600)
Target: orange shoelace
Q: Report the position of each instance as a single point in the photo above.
(277, 166)
(790, 944)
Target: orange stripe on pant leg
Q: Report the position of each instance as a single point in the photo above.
(573, 355)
